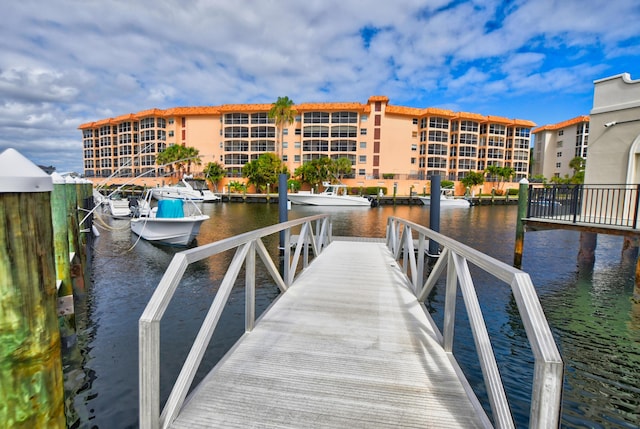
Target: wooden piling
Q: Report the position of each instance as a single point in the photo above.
(32, 393)
(587, 252)
(523, 202)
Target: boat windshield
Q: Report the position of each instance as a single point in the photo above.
(198, 185)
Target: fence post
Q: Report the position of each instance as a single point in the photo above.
(32, 391)
(523, 202)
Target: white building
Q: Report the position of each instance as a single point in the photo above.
(614, 147)
(555, 145)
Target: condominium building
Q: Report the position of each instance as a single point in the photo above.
(556, 145)
(381, 140)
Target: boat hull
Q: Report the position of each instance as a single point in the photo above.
(447, 202)
(328, 200)
(172, 231)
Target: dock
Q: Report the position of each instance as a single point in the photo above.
(347, 344)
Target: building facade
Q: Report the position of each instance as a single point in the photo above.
(556, 145)
(380, 140)
(614, 149)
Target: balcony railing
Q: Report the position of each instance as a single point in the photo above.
(609, 205)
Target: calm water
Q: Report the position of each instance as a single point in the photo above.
(596, 325)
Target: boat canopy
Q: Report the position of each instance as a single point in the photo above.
(170, 209)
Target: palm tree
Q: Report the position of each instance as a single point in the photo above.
(214, 172)
(192, 155)
(282, 113)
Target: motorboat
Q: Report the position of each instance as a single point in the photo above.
(447, 199)
(333, 195)
(186, 189)
(123, 208)
(167, 223)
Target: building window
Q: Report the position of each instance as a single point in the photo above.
(316, 118)
(413, 160)
(559, 143)
(558, 164)
(363, 118)
(344, 118)
(361, 172)
(363, 145)
(296, 158)
(414, 147)
(285, 145)
(414, 134)
(298, 131)
(362, 159)
(561, 132)
(285, 132)
(285, 158)
(415, 121)
(296, 145)
(363, 131)
(442, 123)
(558, 154)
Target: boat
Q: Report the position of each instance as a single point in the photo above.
(447, 199)
(186, 189)
(167, 223)
(123, 208)
(333, 195)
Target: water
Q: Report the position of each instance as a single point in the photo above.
(595, 324)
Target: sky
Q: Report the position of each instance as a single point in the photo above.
(68, 62)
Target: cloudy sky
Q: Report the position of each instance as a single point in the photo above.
(64, 63)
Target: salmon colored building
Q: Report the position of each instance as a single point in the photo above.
(386, 144)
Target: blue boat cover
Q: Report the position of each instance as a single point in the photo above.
(170, 208)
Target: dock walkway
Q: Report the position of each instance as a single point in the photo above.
(347, 346)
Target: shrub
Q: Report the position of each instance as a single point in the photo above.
(388, 175)
(512, 191)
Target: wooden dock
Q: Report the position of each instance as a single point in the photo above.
(348, 346)
(348, 343)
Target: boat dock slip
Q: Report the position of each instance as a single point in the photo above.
(348, 343)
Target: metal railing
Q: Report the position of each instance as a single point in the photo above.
(246, 245)
(610, 205)
(455, 256)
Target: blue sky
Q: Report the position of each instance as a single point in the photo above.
(65, 63)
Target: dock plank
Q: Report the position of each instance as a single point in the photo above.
(348, 346)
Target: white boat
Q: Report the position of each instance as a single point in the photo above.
(121, 208)
(447, 200)
(168, 224)
(333, 195)
(186, 189)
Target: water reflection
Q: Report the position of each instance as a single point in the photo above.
(596, 325)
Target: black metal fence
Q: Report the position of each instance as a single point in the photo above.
(612, 205)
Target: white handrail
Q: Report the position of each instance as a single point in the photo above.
(548, 365)
(246, 245)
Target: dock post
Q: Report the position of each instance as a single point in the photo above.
(587, 252)
(59, 214)
(434, 212)
(283, 214)
(32, 391)
(523, 202)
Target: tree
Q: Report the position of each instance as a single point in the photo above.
(264, 170)
(192, 156)
(473, 178)
(214, 172)
(340, 167)
(282, 113)
(170, 156)
(175, 157)
(500, 174)
(315, 171)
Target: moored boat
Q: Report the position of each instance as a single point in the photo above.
(186, 189)
(168, 224)
(333, 195)
(447, 199)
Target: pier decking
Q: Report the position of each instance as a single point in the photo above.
(348, 345)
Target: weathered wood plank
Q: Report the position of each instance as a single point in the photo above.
(348, 345)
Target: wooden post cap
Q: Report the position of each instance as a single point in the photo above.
(18, 174)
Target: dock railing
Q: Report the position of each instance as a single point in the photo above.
(608, 205)
(309, 241)
(455, 256)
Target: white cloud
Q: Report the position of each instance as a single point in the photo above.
(66, 62)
